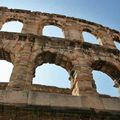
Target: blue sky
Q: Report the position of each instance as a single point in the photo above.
(105, 12)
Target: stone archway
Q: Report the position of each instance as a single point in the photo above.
(53, 58)
(110, 69)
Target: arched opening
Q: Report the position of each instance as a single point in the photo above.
(6, 70)
(53, 31)
(116, 41)
(51, 75)
(90, 38)
(117, 44)
(104, 84)
(12, 26)
(109, 74)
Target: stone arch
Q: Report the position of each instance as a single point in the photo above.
(53, 58)
(53, 31)
(54, 23)
(14, 19)
(17, 25)
(6, 58)
(51, 75)
(93, 33)
(116, 40)
(89, 30)
(104, 83)
(109, 68)
(6, 55)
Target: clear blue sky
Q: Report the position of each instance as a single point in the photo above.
(105, 12)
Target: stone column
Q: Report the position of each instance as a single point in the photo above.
(30, 27)
(84, 85)
(119, 91)
(1, 25)
(21, 70)
(117, 85)
(30, 75)
(84, 81)
(107, 41)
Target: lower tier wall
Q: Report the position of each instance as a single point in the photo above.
(60, 100)
(29, 105)
(27, 112)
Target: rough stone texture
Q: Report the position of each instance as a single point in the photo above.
(61, 100)
(27, 51)
(20, 99)
(22, 112)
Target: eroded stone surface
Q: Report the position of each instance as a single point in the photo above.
(16, 112)
(30, 49)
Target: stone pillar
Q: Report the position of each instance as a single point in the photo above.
(83, 84)
(30, 27)
(40, 31)
(117, 85)
(21, 70)
(107, 41)
(74, 34)
(30, 75)
(1, 22)
(119, 91)
(100, 41)
(1, 25)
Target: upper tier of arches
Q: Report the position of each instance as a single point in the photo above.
(34, 22)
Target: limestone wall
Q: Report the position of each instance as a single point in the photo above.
(27, 51)
(30, 49)
(34, 22)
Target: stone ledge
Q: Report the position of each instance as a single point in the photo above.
(61, 100)
(41, 88)
(32, 112)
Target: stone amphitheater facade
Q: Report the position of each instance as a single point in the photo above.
(21, 100)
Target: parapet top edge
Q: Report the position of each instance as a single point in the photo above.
(57, 15)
